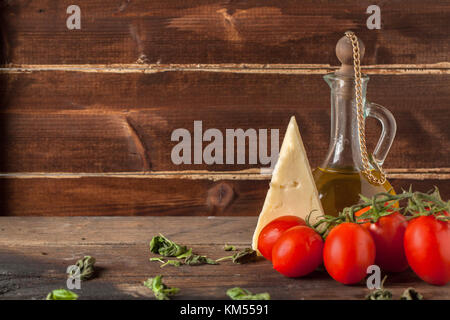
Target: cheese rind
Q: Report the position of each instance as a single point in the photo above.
(292, 188)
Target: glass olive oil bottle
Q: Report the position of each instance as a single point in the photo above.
(341, 178)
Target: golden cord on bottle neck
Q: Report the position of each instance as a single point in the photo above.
(360, 112)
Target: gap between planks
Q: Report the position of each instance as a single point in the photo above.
(436, 68)
(248, 174)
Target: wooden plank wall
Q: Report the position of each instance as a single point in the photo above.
(87, 115)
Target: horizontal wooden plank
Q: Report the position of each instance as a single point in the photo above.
(100, 122)
(148, 68)
(249, 174)
(37, 250)
(212, 31)
(29, 274)
(121, 231)
(75, 142)
(99, 196)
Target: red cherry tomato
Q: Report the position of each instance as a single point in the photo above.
(298, 252)
(349, 249)
(427, 248)
(388, 234)
(272, 232)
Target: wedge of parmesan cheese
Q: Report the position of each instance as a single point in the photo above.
(292, 188)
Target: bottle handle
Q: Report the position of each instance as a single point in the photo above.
(388, 130)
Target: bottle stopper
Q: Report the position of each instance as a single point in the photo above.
(344, 52)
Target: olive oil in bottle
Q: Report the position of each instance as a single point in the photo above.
(340, 188)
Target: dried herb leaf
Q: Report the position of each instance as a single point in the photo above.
(227, 247)
(185, 255)
(411, 294)
(174, 263)
(243, 294)
(62, 294)
(163, 246)
(189, 259)
(195, 260)
(245, 256)
(86, 266)
(380, 294)
(161, 291)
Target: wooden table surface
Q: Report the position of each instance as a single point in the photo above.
(35, 252)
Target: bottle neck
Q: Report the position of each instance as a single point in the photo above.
(344, 151)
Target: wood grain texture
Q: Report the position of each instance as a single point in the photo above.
(240, 68)
(107, 196)
(87, 122)
(212, 31)
(36, 252)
